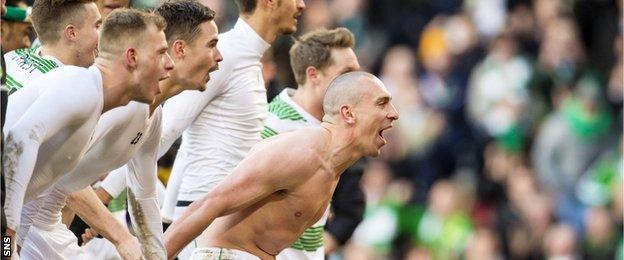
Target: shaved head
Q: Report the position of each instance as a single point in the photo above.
(347, 89)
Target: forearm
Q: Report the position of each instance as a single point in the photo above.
(103, 195)
(195, 219)
(142, 205)
(19, 159)
(88, 206)
(67, 216)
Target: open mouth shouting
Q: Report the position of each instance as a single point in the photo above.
(380, 133)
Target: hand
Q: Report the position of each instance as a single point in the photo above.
(88, 235)
(130, 249)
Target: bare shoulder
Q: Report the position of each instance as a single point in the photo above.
(299, 150)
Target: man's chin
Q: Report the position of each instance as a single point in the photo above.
(374, 152)
(145, 100)
(289, 30)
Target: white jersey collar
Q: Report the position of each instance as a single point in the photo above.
(251, 37)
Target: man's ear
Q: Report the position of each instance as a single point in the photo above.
(178, 49)
(312, 74)
(130, 59)
(70, 33)
(346, 113)
(268, 4)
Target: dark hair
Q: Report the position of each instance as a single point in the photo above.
(49, 17)
(183, 18)
(246, 6)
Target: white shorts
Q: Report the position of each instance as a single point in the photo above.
(216, 253)
(102, 249)
(52, 242)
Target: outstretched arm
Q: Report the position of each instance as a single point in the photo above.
(34, 127)
(88, 206)
(269, 168)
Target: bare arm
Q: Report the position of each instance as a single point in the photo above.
(88, 206)
(265, 170)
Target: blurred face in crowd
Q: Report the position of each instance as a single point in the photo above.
(286, 15)
(110, 5)
(15, 35)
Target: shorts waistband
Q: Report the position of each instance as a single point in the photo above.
(218, 253)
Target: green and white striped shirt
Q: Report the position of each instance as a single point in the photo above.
(24, 65)
(286, 116)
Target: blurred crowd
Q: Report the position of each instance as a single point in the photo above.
(510, 140)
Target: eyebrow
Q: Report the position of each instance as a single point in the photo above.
(384, 99)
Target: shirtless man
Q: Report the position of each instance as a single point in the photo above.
(49, 125)
(132, 134)
(285, 183)
(317, 57)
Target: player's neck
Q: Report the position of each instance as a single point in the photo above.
(343, 147)
(262, 25)
(61, 54)
(115, 84)
(168, 89)
(305, 99)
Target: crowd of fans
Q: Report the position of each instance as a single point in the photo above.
(510, 140)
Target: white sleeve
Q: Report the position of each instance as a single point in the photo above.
(171, 193)
(178, 113)
(142, 200)
(55, 109)
(115, 183)
(160, 193)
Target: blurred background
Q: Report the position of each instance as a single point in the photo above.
(510, 139)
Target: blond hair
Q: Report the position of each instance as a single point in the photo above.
(126, 26)
(313, 49)
(50, 17)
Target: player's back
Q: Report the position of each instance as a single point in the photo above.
(276, 222)
(26, 65)
(64, 90)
